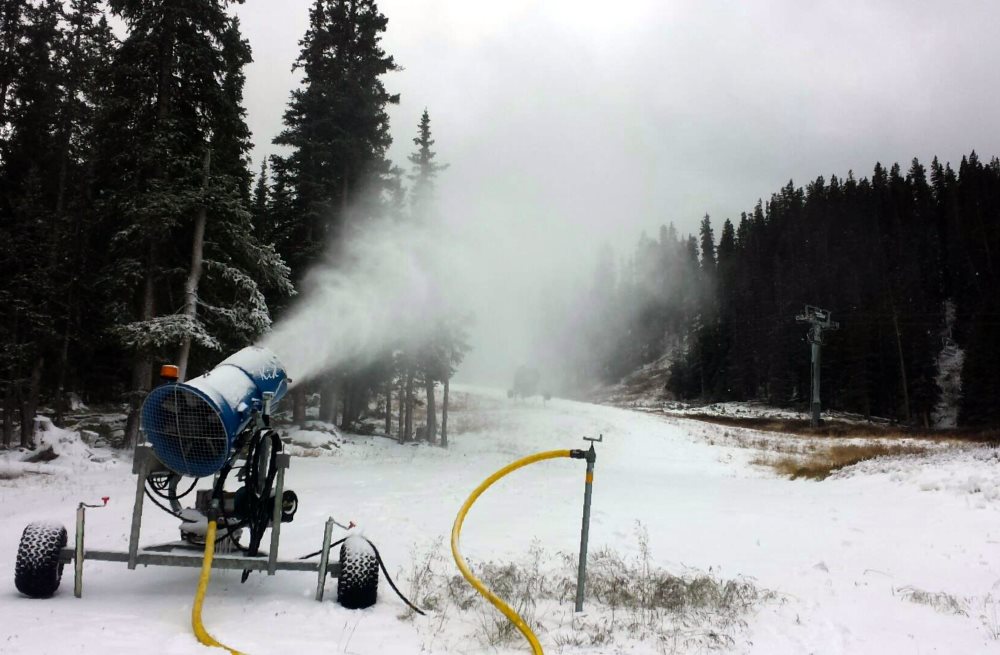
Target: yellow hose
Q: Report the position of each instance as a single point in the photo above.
(199, 598)
(464, 567)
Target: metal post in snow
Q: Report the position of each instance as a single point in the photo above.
(588, 489)
(816, 342)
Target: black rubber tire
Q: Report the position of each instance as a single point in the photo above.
(38, 570)
(357, 586)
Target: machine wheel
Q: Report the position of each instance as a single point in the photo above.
(38, 570)
(357, 585)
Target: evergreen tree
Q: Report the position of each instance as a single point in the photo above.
(336, 122)
(52, 65)
(337, 128)
(260, 210)
(425, 169)
(175, 187)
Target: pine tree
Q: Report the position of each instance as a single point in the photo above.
(433, 355)
(336, 123)
(260, 206)
(175, 181)
(425, 169)
(337, 128)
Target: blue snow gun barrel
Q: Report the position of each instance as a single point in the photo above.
(192, 426)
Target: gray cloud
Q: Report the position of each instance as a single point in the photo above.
(570, 124)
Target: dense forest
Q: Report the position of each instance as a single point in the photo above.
(132, 230)
(904, 261)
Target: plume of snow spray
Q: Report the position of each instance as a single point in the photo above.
(383, 285)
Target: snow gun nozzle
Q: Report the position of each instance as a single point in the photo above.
(193, 425)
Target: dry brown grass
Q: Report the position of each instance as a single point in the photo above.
(473, 422)
(821, 463)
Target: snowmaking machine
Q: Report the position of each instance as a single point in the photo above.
(217, 425)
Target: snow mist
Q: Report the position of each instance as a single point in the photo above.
(381, 286)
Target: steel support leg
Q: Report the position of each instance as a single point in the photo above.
(81, 513)
(140, 487)
(324, 559)
(279, 490)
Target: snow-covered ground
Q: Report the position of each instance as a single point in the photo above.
(893, 556)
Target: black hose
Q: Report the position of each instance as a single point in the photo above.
(259, 512)
(320, 551)
(381, 564)
(217, 495)
(160, 482)
(167, 509)
(392, 584)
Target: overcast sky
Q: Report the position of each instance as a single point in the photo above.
(570, 124)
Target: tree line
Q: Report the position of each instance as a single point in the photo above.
(132, 229)
(905, 261)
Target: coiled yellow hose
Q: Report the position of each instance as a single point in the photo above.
(199, 598)
(456, 530)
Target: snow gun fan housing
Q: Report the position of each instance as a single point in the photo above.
(193, 426)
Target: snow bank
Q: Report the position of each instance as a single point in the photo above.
(57, 452)
(971, 472)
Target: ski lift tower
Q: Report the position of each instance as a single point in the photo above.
(819, 320)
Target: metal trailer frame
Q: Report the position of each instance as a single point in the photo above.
(180, 553)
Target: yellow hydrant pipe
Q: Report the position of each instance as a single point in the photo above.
(456, 530)
(199, 598)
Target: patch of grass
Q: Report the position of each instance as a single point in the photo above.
(476, 421)
(521, 585)
(821, 463)
(985, 608)
(989, 616)
(939, 600)
(629, 601)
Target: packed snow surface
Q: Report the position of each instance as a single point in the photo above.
(894, 556)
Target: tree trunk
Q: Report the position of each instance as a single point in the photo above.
(408, 428)
(66, 131)
(347, 415)
(194, 274)
(30, 404)
(402, 405)
(444, 416)
(8, 415)
(60, 399)
(431, 411)
(388, 407)
(902, 362)
(328, 400)
(299, 406)
(142, 367)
